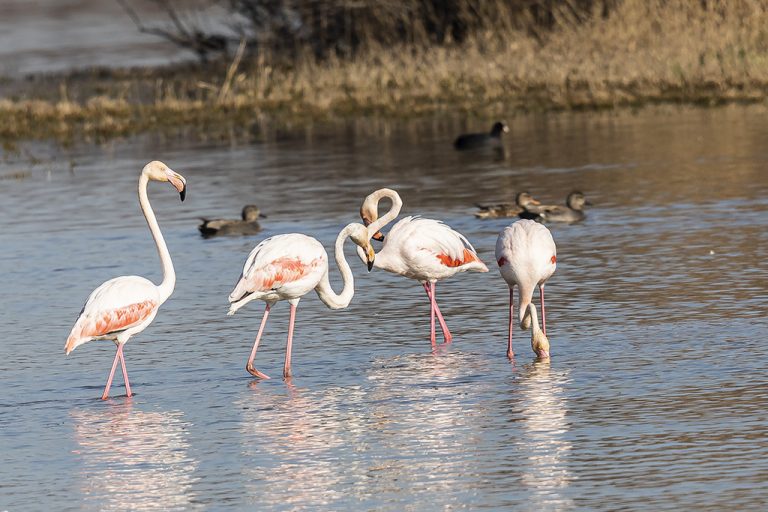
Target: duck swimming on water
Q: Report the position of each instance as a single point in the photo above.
(523, 200)
(573, 211)
(248, 225)
(481, 140)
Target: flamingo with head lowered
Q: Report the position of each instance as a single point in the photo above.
(126, 305)
(287, 267)
(423, 249)
(527, 257)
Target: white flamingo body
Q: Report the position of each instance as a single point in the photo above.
(126, 295)
(282, 267)
(287, 267)
(126, 305)
(527, 257)
(426, 250)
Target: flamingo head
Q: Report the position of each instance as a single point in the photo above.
(359, 235)
(539, 340)
(540, 345)
(158, 171)
(369, 212)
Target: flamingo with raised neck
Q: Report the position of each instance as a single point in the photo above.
(126, 305)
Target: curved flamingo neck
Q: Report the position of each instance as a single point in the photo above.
(169, 275)
(324, 290)
(373, 201)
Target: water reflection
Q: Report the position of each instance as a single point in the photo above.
(544, 444)
(427, 426)
(132, 459)
(289, 436)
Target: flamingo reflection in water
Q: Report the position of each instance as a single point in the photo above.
(133, 459)
(295, 438)
(545, 447)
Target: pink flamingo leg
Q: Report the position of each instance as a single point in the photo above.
(543, 313)
(287, 367)
(105, 395)
(125, 372)
(510, 354)
(432, 335)
(249, 366)
(443, 325)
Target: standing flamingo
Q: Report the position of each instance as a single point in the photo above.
(126, 305)
(287, 267)
(423, 249)
(527, 257)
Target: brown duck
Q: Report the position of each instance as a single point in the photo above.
(248, 225)
(523, 200)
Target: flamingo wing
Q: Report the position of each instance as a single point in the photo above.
(433, 242)
(280, 261)
(116, 306)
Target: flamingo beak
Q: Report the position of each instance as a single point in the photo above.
(370, 256)
(534, 201)
(179, 183)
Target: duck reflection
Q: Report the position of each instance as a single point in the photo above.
(132, 459)
(545, 446)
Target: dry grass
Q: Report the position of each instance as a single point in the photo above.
(645, 51)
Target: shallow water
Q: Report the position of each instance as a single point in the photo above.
(655, 396)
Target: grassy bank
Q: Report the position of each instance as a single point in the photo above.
(642, 52)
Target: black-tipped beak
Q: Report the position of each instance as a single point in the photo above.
(370, 265)
(183, 193)
(378, 236)
(588, 203)
(262, 216)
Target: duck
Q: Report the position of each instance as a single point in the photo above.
(248, 225)
(481, 140)
(523, 200)
(573, 211)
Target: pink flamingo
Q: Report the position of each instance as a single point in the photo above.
(423, 249)
(287, 267)
(527, 257)
(126, 305)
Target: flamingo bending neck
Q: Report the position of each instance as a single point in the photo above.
(371, 203)
(324, 290)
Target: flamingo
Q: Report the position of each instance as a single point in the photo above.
(287, 267)
(423, 249)
(527, 257)
(126, 305)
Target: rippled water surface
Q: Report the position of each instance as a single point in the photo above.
(655, 397)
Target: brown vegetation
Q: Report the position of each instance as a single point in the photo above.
(642, 51)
